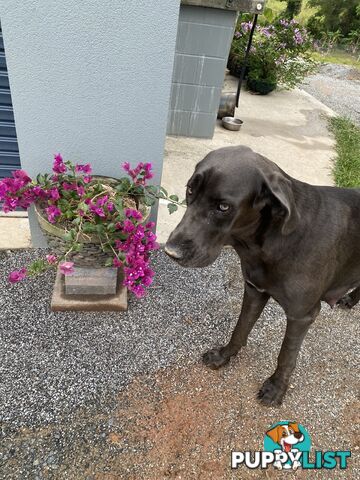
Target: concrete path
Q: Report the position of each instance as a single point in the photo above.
(288, 127)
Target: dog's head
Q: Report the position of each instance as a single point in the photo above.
(230, 193)
(286, 435)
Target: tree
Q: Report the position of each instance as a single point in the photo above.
(293, 8)
(343, 15)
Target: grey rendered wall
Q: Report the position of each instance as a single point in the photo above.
(90, 79)
(202, 47)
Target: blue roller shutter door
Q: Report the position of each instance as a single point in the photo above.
(9, 151)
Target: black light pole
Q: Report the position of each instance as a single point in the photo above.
(242, 74)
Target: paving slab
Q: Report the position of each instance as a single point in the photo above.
(14, 233)
(287, 126)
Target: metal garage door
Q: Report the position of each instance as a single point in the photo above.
(9, 152)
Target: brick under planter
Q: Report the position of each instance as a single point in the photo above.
(62, 302)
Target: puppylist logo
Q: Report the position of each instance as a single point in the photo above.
(287, 447)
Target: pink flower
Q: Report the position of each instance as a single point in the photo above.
(80, 190)
(51, 259)
(68, 186)
(38, 191)
(17, 275)
(98, 210)
(138, 290)
(117, 263)
(58, 165)
(128, 226)
(52, 212)
(83, 168)
(126, 166)
(132, 213)
(66, 268)
(21, 175)
(54, 194)
(101, 202)
(110, 206)
(87, 179)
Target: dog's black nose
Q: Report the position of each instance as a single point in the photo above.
(173, 252)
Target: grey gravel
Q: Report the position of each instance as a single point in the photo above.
(338, 87)
(62, 373)
(53, 363)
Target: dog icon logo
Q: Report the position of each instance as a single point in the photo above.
(287, 440)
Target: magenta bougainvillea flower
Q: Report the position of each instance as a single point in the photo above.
(52, 212)
(83, 206)
(83, 168)
(66, 268)
(17, 275)
(59, 165)
(51, 259)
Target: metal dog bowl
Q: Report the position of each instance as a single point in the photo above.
(232, 123)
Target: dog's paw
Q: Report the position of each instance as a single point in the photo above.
(346, 302)
(271, 393)
(215, 358)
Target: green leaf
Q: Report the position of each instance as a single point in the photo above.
(109, 262)
(111, 227)
(77, 247)
(174, 197)
(88, 228)
(100, 228)
(149, 201)
(161, 194)
(119, 206)
(76, 221)
(123, 185)
(172, 207)
(152, 189)
(162, 189)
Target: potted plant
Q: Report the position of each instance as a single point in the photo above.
(279, 55)
(91, 220)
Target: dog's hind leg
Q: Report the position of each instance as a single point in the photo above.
(252, 306)
(274, 388)
(350, 300)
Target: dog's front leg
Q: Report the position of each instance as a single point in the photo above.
(274, 388)
(252, 306)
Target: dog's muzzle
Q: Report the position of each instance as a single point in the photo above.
(173, 252)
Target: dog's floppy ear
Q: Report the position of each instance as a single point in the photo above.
(276, 184)
(294, 426)
(275, 434)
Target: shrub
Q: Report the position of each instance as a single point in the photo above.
(279, 53)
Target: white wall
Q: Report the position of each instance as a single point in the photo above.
(90, 79)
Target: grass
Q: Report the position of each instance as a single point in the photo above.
(343, 58)
(347, 166)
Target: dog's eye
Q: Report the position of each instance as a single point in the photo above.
(284, 434)
(223, 207)
(189, 191)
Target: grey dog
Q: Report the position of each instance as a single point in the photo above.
(298, 243)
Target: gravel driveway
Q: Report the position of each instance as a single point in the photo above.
(125, 396)
(338, 87)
